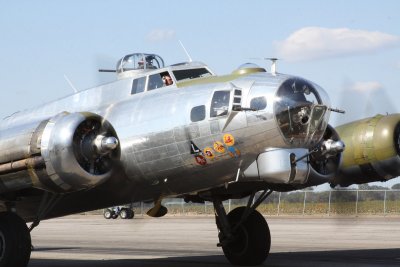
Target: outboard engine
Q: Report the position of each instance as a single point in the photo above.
(68, 152)
(372, 152)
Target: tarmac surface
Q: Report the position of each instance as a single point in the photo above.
(190, 241)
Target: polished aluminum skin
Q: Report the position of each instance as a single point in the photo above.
(201, 132)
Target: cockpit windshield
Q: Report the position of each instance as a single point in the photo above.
(189, 74)
(302, 112)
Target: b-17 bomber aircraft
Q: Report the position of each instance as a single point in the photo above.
(182, 131)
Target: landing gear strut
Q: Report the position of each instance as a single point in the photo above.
(243, 233)
(15, 241)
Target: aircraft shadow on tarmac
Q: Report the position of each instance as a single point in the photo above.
(53, 248)
(376, 257)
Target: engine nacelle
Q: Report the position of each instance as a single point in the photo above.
(299, 168)
(372, 150)
(327, 158)
(68, 152)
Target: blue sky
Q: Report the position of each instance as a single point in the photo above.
(350, 48)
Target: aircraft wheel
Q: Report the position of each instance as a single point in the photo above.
(251, 242)
(124, 214)
(131, 214)
(107, 214)
(15, 241)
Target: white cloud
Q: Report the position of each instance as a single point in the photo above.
(159, 35)
(366, 86)
(317, 43)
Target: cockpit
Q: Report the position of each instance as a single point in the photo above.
(141, 65)
(302, 111)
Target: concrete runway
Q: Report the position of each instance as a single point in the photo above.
(91, 241)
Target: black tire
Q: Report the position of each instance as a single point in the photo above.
(124, 214)
(131, 214)
(252, 240)
(15, 241)
(108, 213)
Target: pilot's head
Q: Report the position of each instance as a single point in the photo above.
(167, 80)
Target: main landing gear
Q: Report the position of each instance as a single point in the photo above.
(243, 233)
(15, 237)
(15, 241)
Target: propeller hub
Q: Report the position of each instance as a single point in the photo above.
(331, 147)
(105, 144)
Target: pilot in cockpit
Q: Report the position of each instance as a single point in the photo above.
(167, 80)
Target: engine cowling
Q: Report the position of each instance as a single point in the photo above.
(68, 152)
(327, 158)
(299, 168)
(372, 150)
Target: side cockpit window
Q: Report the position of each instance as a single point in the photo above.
(138, 85)
(166, 78)
(155, 81)
(220, 104)
(159, 80)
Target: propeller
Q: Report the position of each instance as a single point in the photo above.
(105, 68)
(361, 100)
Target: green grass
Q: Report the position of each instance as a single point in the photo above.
(371, 207)
(287, 208)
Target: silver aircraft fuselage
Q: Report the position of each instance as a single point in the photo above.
(187, 137)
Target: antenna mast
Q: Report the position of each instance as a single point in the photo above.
(186, 52)
(273, 64)
(70, 84)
